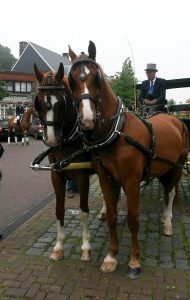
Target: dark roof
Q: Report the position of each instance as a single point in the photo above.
(44, 58)
(174, 83)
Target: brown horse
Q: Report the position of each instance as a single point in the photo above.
(21, 129)
(59, 119)
(127, 150)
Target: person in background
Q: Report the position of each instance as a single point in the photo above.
(19, 112)
(153, 92)
(71, 188)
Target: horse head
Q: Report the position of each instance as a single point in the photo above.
(51, 103)
(85, 80)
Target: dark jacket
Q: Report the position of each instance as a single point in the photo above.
(159, 91)
(19, 110)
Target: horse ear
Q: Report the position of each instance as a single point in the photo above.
(60, 73)
(72, 54)
(39, 75)
(92, 50)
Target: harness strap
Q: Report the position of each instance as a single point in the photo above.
(151, 154)
(99, 160)
(45, 153)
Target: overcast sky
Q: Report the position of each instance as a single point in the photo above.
(147, 31)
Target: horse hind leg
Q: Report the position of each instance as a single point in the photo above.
(27, 139)
(170, 183)
(14, 136)
(167, 214)
(103, 212)
(9, 138)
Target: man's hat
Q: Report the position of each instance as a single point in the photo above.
(151, 67)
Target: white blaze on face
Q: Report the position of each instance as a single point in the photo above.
(50, 138)
(87, 113)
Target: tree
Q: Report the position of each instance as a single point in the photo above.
(123, 83)
(6, 59)
(3, 90)
(171, 102)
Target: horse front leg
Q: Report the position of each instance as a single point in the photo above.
(82, 181)
(133, 193)
(59, 187)
(111, 194)
(25, 140)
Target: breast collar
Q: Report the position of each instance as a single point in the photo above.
(114, 132)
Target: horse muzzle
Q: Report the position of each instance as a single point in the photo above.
(87, 124)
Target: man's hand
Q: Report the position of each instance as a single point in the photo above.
(150, 102)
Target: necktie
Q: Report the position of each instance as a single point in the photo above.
(150, 91)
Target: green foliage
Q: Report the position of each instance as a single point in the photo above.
(123, 83)
(171, 102)
(7, 60)
(3, 90)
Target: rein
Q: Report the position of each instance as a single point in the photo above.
(86, 96)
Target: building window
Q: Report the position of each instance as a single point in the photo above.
(29, 87)
(23, 87)
(17, 86)
(10, 86)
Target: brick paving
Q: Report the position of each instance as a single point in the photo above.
(26, 272)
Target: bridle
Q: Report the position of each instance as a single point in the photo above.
(73, 131)
(83, 76)
(48, 89)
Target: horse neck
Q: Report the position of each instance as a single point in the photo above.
(27, 115)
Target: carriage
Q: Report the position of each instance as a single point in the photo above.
(84, 120)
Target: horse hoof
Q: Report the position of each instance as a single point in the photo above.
(133, 273)
(167, 231)
(109, 266)
(57, 255)
(85, 255)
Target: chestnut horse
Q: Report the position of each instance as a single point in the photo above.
(126, 150)
(22, 128)
(58, 117)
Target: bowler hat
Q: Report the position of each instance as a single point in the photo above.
(151, 67)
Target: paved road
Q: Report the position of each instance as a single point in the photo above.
(21, 187)
(26, 272)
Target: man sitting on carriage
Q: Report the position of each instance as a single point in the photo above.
(153, 92)
(19, 112)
